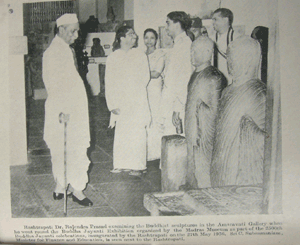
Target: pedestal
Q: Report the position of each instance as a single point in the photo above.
(173, 162)
(229, 200)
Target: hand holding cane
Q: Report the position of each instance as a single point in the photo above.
(64, 118)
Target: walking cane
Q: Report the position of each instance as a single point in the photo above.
(64, 118)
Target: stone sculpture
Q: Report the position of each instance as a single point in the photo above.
(97, 50)
(204, 93)
(238, 153)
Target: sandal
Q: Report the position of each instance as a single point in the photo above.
(116, 171)
(135, 173)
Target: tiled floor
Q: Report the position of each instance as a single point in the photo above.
(112, 194)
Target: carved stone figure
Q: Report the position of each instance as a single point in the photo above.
(204, 93)
(238, 153)
(112, 25)
(261, 34)
(91, 25)
(97, 50)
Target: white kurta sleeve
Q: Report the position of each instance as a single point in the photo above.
(111, 86)
(144, 69)
(182, 71)
(138, 75)
(144, 73)
(48, 69)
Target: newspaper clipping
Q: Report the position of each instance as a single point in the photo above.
(149, 122)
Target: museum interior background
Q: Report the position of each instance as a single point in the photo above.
(31, 28)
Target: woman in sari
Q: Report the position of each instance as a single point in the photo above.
(156, 59)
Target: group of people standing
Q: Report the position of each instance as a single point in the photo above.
(155, 93)
(146, 92)
(164, 86)
(185, 91)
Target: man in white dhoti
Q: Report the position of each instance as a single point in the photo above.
(177, 72)
(66, 94)
(126, 78)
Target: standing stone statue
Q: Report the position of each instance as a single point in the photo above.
(112, 25)
(261, 34)
(238, 153)
(97, 50)
(204, 93)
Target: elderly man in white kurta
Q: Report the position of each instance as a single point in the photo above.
(126, 78)
(66, 94)
(177, 73)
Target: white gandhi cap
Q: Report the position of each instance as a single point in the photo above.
(67, 19)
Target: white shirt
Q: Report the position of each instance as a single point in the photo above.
(222, 47)
(178, 71)
(126, 78)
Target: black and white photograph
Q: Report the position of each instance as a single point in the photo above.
(151, 122)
